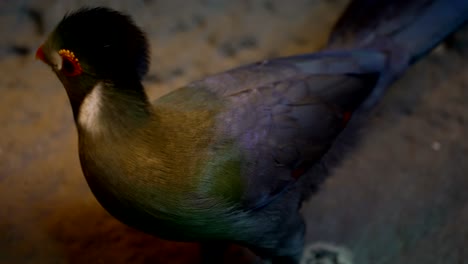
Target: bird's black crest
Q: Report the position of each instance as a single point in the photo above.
(109, 42)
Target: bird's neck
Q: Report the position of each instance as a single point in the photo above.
(112, 110)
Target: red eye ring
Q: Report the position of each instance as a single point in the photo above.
(70, 64)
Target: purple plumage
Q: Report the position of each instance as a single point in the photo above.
(231, 157)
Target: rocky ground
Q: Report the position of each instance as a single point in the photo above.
(400, 197)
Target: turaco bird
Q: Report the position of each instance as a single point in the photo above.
(230, 158)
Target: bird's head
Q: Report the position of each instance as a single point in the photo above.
(94, 45)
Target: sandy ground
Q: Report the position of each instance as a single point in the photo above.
(400, 197)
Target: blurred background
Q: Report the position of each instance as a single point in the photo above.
(401, 196)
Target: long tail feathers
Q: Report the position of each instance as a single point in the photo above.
(403, 29)
(415, 26)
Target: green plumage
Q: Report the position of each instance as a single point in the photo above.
(232, 156)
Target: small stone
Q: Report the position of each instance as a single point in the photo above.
(436, 145)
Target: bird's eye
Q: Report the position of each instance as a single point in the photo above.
(70, 64)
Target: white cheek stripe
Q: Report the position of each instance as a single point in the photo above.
(88, 117)
(57, 60)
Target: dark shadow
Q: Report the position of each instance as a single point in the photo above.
(88, 234)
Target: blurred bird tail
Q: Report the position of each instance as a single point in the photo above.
(404, 30)
(413, 26)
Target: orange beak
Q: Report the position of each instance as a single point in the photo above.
(40, 54)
